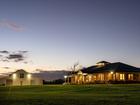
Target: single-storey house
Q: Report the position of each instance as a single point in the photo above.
(20, 78)
(105, 72)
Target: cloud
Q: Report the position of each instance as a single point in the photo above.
(5, 60)
(23, 52)
(11, 25)
(4, 52)
(15, 56)
(18, 56)
(6, 67)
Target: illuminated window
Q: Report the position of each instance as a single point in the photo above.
(90, 77)
(114, 76)
(21, 75)
(121, 76)
(94, 77)
(101, 76)
(80, 78)
(130, 76)
(87, 78)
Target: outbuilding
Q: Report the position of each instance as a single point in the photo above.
(20, 78)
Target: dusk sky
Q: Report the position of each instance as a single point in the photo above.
(58, 33)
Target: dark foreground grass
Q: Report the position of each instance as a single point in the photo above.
(124, 94)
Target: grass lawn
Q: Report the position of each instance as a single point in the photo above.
(101, 94)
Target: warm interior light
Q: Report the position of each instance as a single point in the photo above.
(84, 73)
(29, 76)
(111, 72)
(14, 76)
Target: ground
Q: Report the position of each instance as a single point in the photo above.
(101, 94)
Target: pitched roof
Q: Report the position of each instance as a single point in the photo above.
(20, 70)
(116, 67)
(103, 62)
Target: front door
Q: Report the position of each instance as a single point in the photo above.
(21, 83)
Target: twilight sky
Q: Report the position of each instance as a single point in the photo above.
(58, 33)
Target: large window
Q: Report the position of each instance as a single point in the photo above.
(90, 78)
(114, 76)
(101, 76)
(21, 75)
(94, 77)
(122, 77)
(130, 76)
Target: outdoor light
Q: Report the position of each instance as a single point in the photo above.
(14, 76)
(84, 73)
(111, 72)
(29, 76)
(65, 76)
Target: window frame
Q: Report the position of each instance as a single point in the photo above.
(21, 75)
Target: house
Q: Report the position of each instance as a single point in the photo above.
(105, 72)
(20, 78)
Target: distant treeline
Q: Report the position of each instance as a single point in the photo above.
(58, 81)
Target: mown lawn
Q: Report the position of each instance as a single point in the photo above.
(103, 94)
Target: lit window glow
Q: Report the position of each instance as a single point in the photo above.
(101, 76)
(130, 76)
(90, 77)
(121, 76)
(94, 77)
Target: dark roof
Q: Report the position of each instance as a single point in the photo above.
(20, 70)
(103, 62)
(116, 67)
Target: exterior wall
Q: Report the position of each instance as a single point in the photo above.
(2, 81)
(36, 81)
(106, 77)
